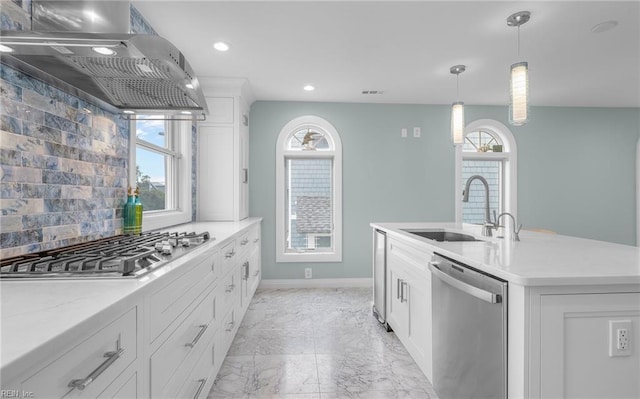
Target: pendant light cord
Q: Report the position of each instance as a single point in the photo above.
(518, 41)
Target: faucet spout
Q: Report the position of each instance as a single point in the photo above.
(516, 233)
(488, 224)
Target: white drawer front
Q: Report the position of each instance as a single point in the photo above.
(228, 256)
(181, 349)
(169, 302)
(198, 384)
(88, 368)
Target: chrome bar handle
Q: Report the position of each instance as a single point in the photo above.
(230, 254)
(398, 281)
(202, 383)
(230, 288)
(256, 272)
(230, 326)
(464, 287)
(244, 242)
(112, 356)
(256, 240)
(402, 296)
(203, 328)
(245, 274)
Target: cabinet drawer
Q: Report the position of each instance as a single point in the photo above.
(88, 368)
(412, 257)
(228, 255)
(198, 384)
(181, 349)
(169, 302)
(254, 236)
(230, 290)
(243, 243)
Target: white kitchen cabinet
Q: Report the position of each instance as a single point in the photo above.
(104, 361)
(577, 336)
(223, 156)
(173, 329)
(409, 300)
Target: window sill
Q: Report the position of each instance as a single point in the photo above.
(291, 257)
(158, 220)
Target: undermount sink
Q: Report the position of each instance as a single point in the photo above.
(442, 235)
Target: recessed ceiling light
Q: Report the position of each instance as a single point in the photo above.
(5, 49)
(309, 88)
(221, 46)
(103, 50)
(604, 26)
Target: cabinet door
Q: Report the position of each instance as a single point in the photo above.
(397, 309)
(575, 336)
(216, 170)
(418, 341)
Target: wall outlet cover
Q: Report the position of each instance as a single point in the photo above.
(619, 338)
(308, 273)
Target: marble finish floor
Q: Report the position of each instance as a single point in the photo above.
(317, 344)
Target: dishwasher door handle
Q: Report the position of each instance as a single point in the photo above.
(464, 287)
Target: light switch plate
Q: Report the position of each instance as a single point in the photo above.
(403, 132)
(417, 132)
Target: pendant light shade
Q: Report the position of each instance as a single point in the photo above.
(457, 122)
(519, 80)
(519, 94)
(457, 109)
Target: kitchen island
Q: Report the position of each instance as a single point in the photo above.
(564, 293)
(163, 334)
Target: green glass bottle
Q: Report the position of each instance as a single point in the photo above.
(129, 214)
(138, 212)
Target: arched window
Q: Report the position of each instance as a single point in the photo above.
(489, 150)
(309, 192)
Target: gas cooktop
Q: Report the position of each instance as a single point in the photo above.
(114, 257)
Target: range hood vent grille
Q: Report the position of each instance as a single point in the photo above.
(151, 94)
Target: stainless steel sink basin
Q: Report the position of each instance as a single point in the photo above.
(442, 235)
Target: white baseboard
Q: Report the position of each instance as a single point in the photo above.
(318, 283)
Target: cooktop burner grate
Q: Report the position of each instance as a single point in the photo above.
(118, 256)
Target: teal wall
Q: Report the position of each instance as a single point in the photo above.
(576, 172)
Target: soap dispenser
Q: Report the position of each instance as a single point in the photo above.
(138, 212)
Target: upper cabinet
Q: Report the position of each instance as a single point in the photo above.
(223, 153)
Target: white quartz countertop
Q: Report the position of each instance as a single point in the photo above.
(537, 260)
(44, 312)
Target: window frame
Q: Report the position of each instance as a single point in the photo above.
(508, 156)
(282, 154)
(179, 132)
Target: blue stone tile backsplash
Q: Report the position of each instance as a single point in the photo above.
(63, 170)
(63, 161)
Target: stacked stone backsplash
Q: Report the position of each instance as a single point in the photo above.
(63, 167)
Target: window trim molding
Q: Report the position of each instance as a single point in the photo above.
(509, 156)
(312, 122)
(181, 131)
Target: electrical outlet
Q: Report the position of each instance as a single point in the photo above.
(308, 273)
(417, 132)
(403, 132)
(619, 338)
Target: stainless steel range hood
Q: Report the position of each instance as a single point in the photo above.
(87, 48)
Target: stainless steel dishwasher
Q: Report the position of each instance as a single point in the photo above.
(469, 331)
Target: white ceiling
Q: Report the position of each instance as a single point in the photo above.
(406, 49)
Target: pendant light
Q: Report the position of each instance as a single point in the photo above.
(457, 109)
(519, 82)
